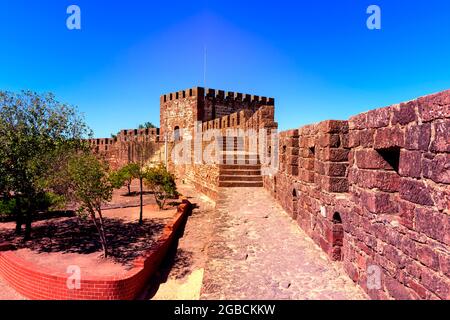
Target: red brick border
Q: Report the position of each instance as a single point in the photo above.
(40, 283)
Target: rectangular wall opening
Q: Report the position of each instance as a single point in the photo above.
(391, 156)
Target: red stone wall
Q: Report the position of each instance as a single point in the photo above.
(121, 150)
(374, 192)
(205, 177)
(180, 109)
(184, 108)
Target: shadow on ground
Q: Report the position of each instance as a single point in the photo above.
(177, 264)
(127, 240)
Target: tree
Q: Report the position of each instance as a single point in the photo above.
(147, 125)
(162, 183)
(124, 176)
(34, 130)
(141, 153)
(91, 187)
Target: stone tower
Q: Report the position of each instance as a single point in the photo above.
(182, 109)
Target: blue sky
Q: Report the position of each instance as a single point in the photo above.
(317, 58)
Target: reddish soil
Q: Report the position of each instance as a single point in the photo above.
(62, 241)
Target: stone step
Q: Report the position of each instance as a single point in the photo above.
(231, 150)
(239, 153)
(239, 167)
(231, 162)
(239, 172)
(240, 184)
(228, 178)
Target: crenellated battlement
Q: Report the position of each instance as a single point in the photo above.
(133, 134)
(183, 94)
(244, 119)
(182, 109)
(209, 93)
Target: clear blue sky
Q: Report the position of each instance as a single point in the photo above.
(317, 58)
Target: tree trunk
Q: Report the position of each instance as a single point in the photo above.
(19, 216)
(29, 214)
(28, 220)
(141, 218)
(101, 233)
(163, 202)
(129, 188)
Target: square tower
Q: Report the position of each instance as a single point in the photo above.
(182, 109)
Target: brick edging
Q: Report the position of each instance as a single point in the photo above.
(41, 283)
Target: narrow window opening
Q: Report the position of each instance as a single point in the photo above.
(338, 237)
(337, 218)
(391, 156)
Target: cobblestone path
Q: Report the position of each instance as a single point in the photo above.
(258, 252)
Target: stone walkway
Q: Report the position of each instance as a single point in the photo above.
(258, 252)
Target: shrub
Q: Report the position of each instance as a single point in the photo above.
(7, 207)
(162, 183)
(124, 176)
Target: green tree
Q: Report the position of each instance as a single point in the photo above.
(90, 187)
(34, 129)
(162, 183)
(124, 176)
(141, 154)
(147, 125)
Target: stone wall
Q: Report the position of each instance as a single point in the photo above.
(374, 193)
(126, 146)
(182, 109)
(204, 174)
(212, 109)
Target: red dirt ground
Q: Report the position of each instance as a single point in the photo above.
(64, 241)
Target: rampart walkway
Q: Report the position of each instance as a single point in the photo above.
(258, 252)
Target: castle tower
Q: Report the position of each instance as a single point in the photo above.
(182, 109)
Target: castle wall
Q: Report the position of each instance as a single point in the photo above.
(374, 192)
(127, 146)
(184, 108)
(204, 175)
(180, 110)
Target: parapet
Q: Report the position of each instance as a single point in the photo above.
(216, 94)
(131, 133)
(182, 94)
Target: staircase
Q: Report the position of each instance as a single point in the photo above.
(240, 175)
(239, 169)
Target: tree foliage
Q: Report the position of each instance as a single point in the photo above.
(91, 187)
(124, 176)
(147, 125)
(34, 131)
(162, 183)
